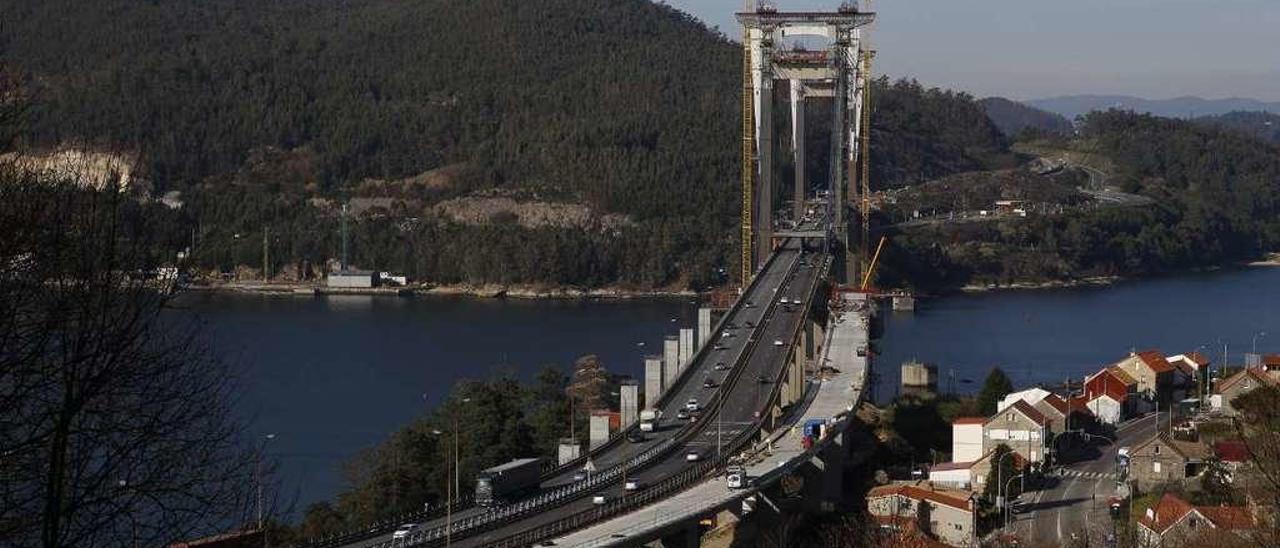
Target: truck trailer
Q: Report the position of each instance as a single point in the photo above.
(504, 482)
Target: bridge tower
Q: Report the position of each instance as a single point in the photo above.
(836, 72)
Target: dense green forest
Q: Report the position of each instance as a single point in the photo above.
(252, 110)
(1261, 124)
(1217, 200)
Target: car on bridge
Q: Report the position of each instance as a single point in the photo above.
(719, 346)
(721, 366)
(709, 383)
(691, 405)
(682, 415)
(777, 342)
(404, 531)
(633, 484)
(693, 455)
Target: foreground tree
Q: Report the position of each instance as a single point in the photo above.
(995, 388)
(115, 422)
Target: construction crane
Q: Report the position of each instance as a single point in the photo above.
(748, 153)
(866, 276)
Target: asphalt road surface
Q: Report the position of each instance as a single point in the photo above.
(1076, 505)
(745, 398)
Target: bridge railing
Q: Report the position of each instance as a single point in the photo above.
(685, 477)
(472, 525)
(383, 526)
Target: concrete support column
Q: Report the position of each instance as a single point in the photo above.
(629, 402)
(686, 347)
(670, 361)
(797, 145)
(569, 449)
(654, 384)
(704, 326)
(598, 429)
(764, 189)
(837, 198)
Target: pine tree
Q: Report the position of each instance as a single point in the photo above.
(996, 387)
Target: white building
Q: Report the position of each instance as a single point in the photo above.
(966, 439)
(1031, 395)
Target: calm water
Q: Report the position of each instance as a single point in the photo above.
(1049, 335)
(331, 376)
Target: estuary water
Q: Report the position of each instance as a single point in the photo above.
(330, 376)
(1047, 336)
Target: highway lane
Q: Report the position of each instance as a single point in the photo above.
(1077, 505)
(733, 348)
(745, 398)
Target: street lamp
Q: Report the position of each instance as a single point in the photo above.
(999, 480)
(1004, 512)
(1255, 340)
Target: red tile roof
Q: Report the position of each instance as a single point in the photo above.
(945, 466)
(1231, 451)
(1155, 361)
(1271, 360)
(1057, 403)
(1228, 517)
(1171, 509)
(923, 491)
(1167, 511)
(1200, 359)
(970, 420)
(1107, 382)
(1023, 407)
(1256, 374)
(1080, 404)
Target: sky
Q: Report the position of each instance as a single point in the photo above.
(1032, 49)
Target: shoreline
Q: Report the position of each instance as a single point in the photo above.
(1269, 260)
(482, 291)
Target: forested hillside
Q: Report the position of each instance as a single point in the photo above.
(267, 115)
(1013, 117)
(1216, 195)
(1263, 125)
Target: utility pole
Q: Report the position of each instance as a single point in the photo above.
(266, 258)
(344, 236)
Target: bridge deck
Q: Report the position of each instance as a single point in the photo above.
(831, 399)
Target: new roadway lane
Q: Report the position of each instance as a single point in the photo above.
(744, 399)
(729, 346)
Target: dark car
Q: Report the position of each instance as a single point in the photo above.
(635, 437)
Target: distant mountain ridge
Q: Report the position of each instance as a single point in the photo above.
(1071, 106)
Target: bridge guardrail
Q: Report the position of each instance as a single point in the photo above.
(569, 492)
(383, 526)
(667, 486)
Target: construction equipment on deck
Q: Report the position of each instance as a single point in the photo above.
(866, 278)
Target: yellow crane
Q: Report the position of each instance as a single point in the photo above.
(866, 277)
(865, 132)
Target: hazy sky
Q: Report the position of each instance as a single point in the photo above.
(1028, 49)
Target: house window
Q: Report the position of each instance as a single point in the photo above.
(1010, 417)
(1155, 467)
(1157, 450)
(1191, 523)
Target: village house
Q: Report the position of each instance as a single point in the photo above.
(1153, 374)
(1111, 395)
(1161, 459)
(951, 514)
(1020, 427)
(1237, 385)
(966, 449)
(1175, 522)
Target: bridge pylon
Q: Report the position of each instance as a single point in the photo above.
(837, 73)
